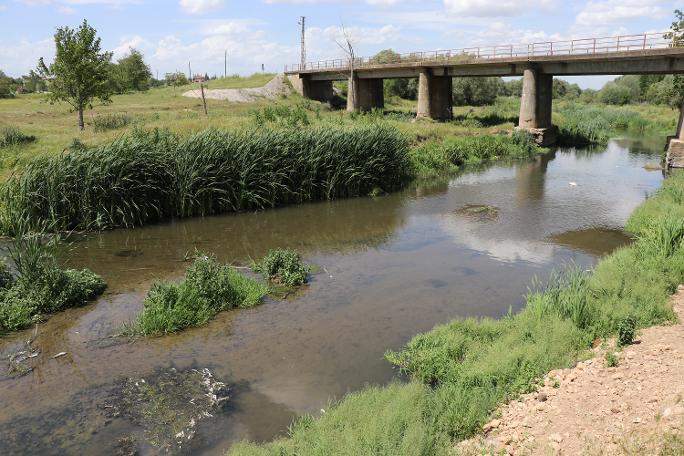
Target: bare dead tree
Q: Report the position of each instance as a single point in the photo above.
(347, 45)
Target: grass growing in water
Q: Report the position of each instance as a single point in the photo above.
(283, 266)
(38, 285)
(462, 371)
(148, 176)
(209, 288)
(437, 158)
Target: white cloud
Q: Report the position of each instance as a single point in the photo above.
(200, 6)
(496, 8)
(602, 13)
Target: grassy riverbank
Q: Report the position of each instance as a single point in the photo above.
(461, 372)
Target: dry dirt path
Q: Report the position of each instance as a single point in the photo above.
(273, 89)
(636, 408)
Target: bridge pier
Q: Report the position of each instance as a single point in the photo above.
(675, 144)
(314, 90)
(535, 107)
(365, 95)
(435, 98)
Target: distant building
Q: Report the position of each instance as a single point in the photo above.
(200, 78)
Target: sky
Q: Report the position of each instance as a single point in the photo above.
(266, 32)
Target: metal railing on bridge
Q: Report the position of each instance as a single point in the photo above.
(584, 46)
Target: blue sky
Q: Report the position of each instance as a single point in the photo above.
(171, 33)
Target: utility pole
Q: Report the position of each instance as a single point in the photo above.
(189, 72)
(225, 64)
(302, 22)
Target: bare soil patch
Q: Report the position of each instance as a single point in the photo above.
(274, 89)
(636, 407)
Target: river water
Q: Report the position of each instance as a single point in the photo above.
(390, 267)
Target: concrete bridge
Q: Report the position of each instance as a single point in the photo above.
(537, 63)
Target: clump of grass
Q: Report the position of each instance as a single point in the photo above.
(147, 176)
(39, 286)
(284, 115)
(283, 266)
(12, 136)
(439, 158)
(612, 359)
(209, 288)
(106, 122)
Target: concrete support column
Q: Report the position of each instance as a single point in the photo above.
(535, 107)
(675, 144)
(365, 95)
(435, 98)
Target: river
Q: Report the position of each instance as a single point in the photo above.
(390, 267)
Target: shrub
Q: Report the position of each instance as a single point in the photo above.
(626, 331)
(283, 266)
(209, 288)
(110, 122)
(147, 176)
(12, 136)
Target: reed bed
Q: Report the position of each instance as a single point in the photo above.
(151, 175)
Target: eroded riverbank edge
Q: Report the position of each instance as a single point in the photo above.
(634, 408)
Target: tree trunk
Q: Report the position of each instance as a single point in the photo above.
(81, 124)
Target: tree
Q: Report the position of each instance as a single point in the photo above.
(34, 83)
(677, 37)
(563, 89)
(132, 72)
(79, 74)
(5, 86)
(476, 91)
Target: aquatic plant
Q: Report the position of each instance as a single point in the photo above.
(209, 288)
(436, 158)
(283, 266)
(39, 285)
(147, 176)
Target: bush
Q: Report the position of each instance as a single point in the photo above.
(12, 136)
(283, 266)
(209, 288)
(147, 176)
(110, 122)
(626, 331)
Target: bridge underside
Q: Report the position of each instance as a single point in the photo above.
(435, 82)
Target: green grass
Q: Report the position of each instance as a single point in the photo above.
(148, 176)
(463, 371)
(209, 288)
(37, 286)
(283, 266)
(445, 157)
(11, 136)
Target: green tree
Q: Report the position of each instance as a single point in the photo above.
(621, 91)
(563, 89)
(130, 73)
(5, 85)
(34, 83)
(677, 37)
(476, 91)
(79, 73)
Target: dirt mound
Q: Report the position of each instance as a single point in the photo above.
(275, 88)
(636, 407)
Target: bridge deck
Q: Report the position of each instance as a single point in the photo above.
(633, 54)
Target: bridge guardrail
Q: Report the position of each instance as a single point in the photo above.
(582, 46)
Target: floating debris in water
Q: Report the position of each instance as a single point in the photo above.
(169, 405)
(480, 212)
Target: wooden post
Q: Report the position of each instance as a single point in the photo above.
(204, 100)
